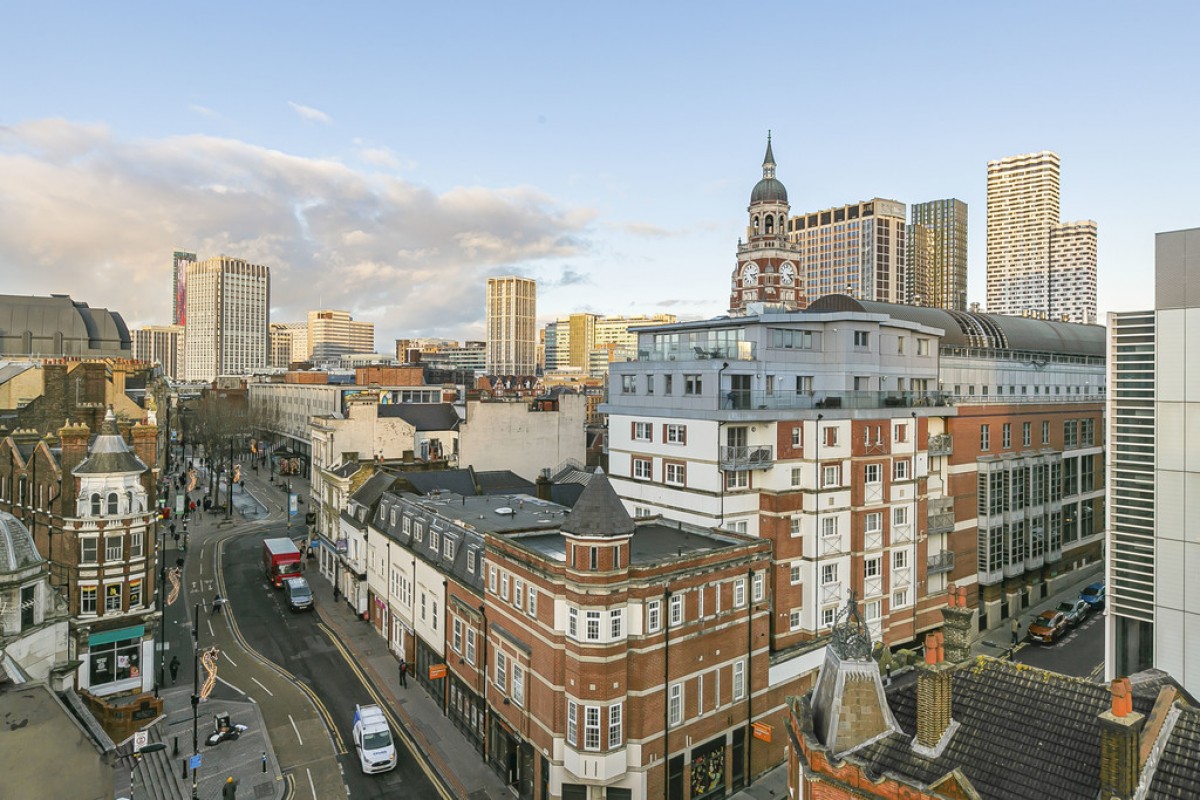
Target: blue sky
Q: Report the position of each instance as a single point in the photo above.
(387, 158)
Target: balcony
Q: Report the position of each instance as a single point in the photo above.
(700, 351)
(940, 523)
(818, 400)
(941, 445)
(940, 562)
(740, 458)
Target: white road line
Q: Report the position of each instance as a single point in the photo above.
(297, 730)
(310, 783)
(227, 658)
(231, 686)
(212, 634)
(265, 689)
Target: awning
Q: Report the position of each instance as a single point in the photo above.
(105, 637)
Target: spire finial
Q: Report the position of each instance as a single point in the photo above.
(769, 159)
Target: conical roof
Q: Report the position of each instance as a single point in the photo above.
(769, 189)
(109, 453)
(598, 511)
(17, 549)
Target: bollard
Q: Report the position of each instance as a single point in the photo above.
(175, 747)
(184, 773)
(264, 760)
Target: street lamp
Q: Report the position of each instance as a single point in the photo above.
(162, 608)
(195, 697)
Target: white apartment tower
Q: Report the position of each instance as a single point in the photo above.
(511, 326)
(1154, 472)
(227, 317)
(162, 344)
(1036, 266)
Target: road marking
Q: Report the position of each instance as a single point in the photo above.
(311, 785)
(231, 686)
(227, 658)
(211, 633)
(265, 689)
(297, 730)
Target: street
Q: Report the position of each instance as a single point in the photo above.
(300, 644)
(1080, 653)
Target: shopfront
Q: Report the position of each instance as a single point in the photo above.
(466, 711)
(708, 770)
(116, 661)
(511, 758)
(426, 658)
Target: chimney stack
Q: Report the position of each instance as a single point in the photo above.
(1120, 739)
(933, 697)
(74, 438)
(958, 622)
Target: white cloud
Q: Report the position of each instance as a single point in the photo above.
(383, 157)
(203, 111)
(87, 213)
(311, 114)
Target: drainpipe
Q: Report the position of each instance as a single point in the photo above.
(749, 663)
(487, 707)
(666, 618)
(817, 529)
(916, 536)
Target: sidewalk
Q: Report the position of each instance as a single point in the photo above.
(997, 642)
(459, 764)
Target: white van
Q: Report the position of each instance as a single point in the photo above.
(373, 740)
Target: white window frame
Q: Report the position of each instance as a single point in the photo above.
(795, 620)
(739, 679)
(828, 616)
(643, 431)
(615, 730)
(456, 642)
(643, 469)
(518, 684)
(470, 646)
(504, 586)
(675, 434)
(94, 542)
(591, 625)
(830, 476)
(135, 544)
(111, 552)
(532, 601)
(796, 572)
(616, 623)
(872, 473)
(829, 573)
(675, 705)
(739, 592)
(84, 588)
(674, 473)
(900, 467)
(573, 622)
(654, 616)
(757, 587)
(573, 723)
(501, 677)
(676, 610)
(591, 728)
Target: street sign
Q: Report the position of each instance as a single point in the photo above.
(194, 762)
(762, 731)
(292, 505)
(437, 671)
(140, 740)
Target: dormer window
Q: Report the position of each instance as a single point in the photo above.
(95, 504)
(112, 504)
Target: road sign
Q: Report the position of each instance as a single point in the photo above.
(194, 762)
(437, 671)
(140, 740)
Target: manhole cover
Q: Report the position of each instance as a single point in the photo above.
(263, 790)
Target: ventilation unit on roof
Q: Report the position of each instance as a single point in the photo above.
(506, 511)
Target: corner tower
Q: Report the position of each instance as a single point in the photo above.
(769, 268)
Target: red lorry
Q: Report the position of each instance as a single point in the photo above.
(281, 560)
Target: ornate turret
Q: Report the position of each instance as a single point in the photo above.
(769, 189)
(768, 268)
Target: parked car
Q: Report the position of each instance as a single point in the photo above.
(373, 740)
(1093, 594)
(1075, 612)
(1049, 627)
(299, 594)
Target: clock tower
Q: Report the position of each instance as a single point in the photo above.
(769, 267)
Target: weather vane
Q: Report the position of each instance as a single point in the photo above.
(850, 637)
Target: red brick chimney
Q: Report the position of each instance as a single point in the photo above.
(145, 447)
(74, 437)
(1120, 739)
(933, 695)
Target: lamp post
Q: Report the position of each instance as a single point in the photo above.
(162, 608)
(195, 696)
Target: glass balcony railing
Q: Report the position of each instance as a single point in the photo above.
(758, 400)
(737, 351)
(941, 444)
(755, 456)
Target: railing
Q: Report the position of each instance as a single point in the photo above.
(738, 351)
(941, 444)
(759, 400)
(940, 523)
(940, 562)
(739, 457)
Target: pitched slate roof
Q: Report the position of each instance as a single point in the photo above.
(503, 481)
(459, 481)
(109, 454)
(1177, 774)
(599, 511)
(465, 564)
(423, 416)
(1023, 733)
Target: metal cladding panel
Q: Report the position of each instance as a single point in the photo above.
(1169, 269)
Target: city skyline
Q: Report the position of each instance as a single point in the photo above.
(590, 178)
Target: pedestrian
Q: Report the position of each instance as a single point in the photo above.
(403, 673)
(174, 667)
(176, 537)
(229, 790)
(1016, 630)
(173, 530)
(218, 601)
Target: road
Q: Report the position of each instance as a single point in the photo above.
(1080, 653)
(301, 645)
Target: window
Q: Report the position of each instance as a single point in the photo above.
(519, 594)
(900, 515)
(504, 586)
(739, 680)
(797, 476)
(796, 436)
(794, 619)
(532, 601)
(693, 384)
(447, 547)
(572, 723)
(828, 616)
(873, 567)
(435, 541)
(829, 573)
(901, 469)
(668, 382)
(592, 623)
(471, 561)
(433, 616)
(675, 434)
(650, 383)
(675, 704)
(642, 431)
(873, 522)
(593, 559)
(900, 598)
(653, 615)
(739, 593)
(458, 636)
(88, 547)
(628, 384)
(616, 623)
(795, 526)
(737, 480)
(471, 646)
(675, 473)
(135, 544)
(873, 611)
(1046, 431)
(804, 384)
(795, 573)
(1026, 434)
(95, 505)
(902, 432)
(676, 609)
(642, 470)
(114, 548)
(829, 475)
(1006, 436)
(872, 473)
(614, 726)
(757, 587)
(985, 437)
(831, 436)
(922, 347)
(112, 597)
(518, 684)
(829, 527)
(591, 727)
(501, 671)
(573, 623)
(492, 579)
(135, 592)
(87, 599)
(862, 339)
(112, 504)
(899, 559)
(900, 345)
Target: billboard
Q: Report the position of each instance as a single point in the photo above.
(182, 260)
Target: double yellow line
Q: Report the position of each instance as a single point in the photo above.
(326, 717)
(434, 777)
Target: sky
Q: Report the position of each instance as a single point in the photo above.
(387, 158)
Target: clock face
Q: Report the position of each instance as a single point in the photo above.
(750, 275)
(787, 274)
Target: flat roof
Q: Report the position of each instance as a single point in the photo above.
(497, 513)
(652, 541)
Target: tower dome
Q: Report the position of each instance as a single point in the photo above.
(769, 189)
